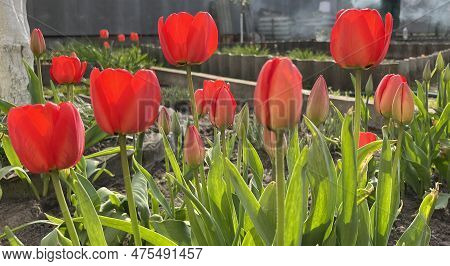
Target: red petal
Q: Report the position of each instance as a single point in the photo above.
(176, 34)
(202, 38)
(387, 37)
(163, 42)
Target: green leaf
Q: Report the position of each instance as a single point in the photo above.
(296, 203)
(347, 220)
(34, 86)
(419, 233)
(364, 155)
(172, 159)
(94, 135)
(178, 231)
(12, 238)
(55, 238)
(108, 151)
(262, 223)
(364, 225)
(387, 195)
(255, 164)
(153, 187)
(322, 177)
(149, 236)
(293, 151)
(140, 187)
(91, 221)
(5, 106)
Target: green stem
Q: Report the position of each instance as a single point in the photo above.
(197, 185)
(169, 182)
(191, 95)
(280, 182)
(129, 190)
(398, 155)
(357, 117)
(140, 147)
(201, 170)
(64, 208)
(428, 119)
(223, 140)
(39, 70)
(366, 120)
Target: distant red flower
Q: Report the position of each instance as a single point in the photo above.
(106, 45)
(187, 39)
(134, 37)
(67, 69)
(121, 38)
(104, 34)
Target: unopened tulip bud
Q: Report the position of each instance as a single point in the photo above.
(385, 93)
(200, 102)
(164, 120)
(175, 125)
(440, 64)
(37, 42)
(121, 38)
(318, 102)
(427, 72)
(222, 106)
(403, 105)
(366, 138)
(194, 150)
(270, 142)
(106, 45)
(369, 86)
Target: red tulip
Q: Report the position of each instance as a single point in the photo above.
(187, 39)
(122, 102)
(104, 34)
(219, 102)
(194, 150)
(164, 120)
(270, 142)
(403, 105)
(359, 38)
(106, 45)
(200, 102)
(46, 137)
(37, 42)
(121, 38)
(134, 37)
(318, 102)
(278, 94)
(385, 93)
(67, 69)
(366, 138)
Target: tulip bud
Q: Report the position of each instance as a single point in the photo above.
(440, 64)
(164, 120)
(270, 142)
(385, 93)
(403, 105)
(200, 102)
(242, 122)
(366, 138)
(104, 34)
(37, 42)
(106, 45)
(134, 37)
(447, 73)
(369, 86)
(194, 150)
(175, 125)
(121, 38)
(222, 105)
(318, 102)
(427, 72)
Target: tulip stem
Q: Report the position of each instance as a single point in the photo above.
(169, 183)
(357, 117)
(397, 157)
(140, 147)
(129, 190)
(191, 94)
(280, 182)
(64, 208)
(39, 70)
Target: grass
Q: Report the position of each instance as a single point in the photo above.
(300, 54)
(250, 49)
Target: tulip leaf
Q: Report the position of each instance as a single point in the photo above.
(90, 218)
(347, 220)
(172, 159)
(364, 225)
(387, 195)
(12, 238)
(364, 155)
(178, 231)
(153, 187)
(5, 106)
(293, 150)
(94, 135)
(256, 166)
(108, 151)
(321, 174)
(259, 218)
(151, 237)
(34, 86)
(296, 203)
(140, 186)
(419, 233)
(55, 238)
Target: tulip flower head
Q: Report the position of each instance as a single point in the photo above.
(359, 38)
(366, 138)
(318, 102)
(37, 43)
(187, 39)
(124, 103)
(134, 37)
(403, 105)
(164, 120)
(385, 93)
(194, 150)
(106, 45)
(67, 69)
(217, 100)
(104, 34)
(46, 137)
(278, 94)
(121, 38)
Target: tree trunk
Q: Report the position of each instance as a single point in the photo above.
(14, 47)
